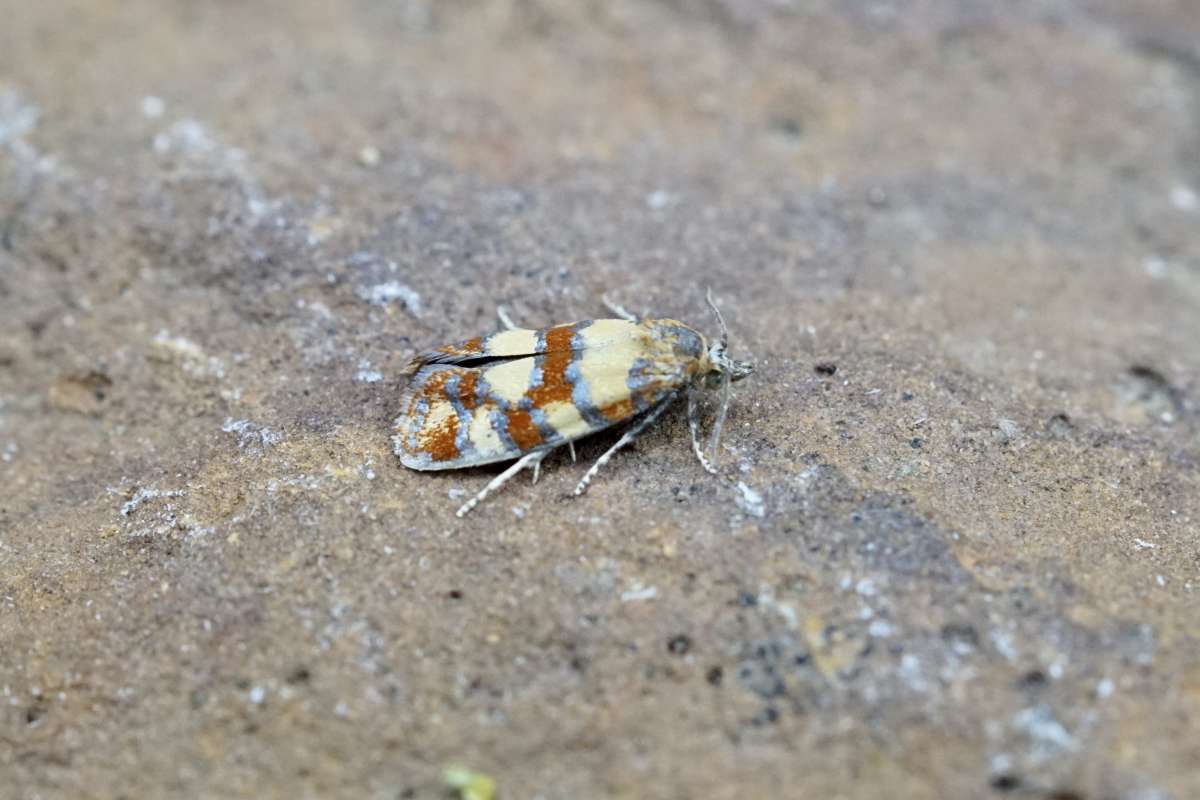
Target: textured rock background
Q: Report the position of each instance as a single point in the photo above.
(954, 550)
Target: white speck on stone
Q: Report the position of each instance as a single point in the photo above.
(881, 629)
(195, 529)
(9, 452)
(191, 137)
(1049, 736)
(17, 117)
(659, 199)
(865, 587)
(192, 357)
(767, 600)
(639, 593)
(1141, 544)
(456, 493)
(153, 107)
(1104, 689)
(1185, 198)
(1160, 580)
(369, 156)
(251, 435)
(257, 695)
(518, 512)
(389, 291)
(910, 670)
(147, 493)
(178, 344)
(1004, 645)
(750, 501)
(318, 308)
(805, 478)
(1156, 267)
(367, 375)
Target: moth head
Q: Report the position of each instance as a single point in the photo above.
(725, 369)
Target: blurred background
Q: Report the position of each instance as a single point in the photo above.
(953, 550)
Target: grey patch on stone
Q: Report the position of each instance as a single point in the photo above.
(1145, 392)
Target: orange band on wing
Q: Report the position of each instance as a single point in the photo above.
(555, 387)
(471, 347)
(440, 440)
(622, 409)
(522, 430)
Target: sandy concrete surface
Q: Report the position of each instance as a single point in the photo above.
(953, 550)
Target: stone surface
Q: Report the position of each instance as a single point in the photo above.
(953, 551)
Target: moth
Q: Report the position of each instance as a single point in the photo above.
(520, 394)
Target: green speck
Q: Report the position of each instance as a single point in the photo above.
(470, 785)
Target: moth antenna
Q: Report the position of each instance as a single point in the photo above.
(708, 295)
(617, 309)
(505, 319)
(720, 423)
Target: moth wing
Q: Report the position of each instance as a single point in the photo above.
(617, 375)
(499, 397)
(520, 342)
(515, 343)
(447, 422)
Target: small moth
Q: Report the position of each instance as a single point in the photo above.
(520, 394)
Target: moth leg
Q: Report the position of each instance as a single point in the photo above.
(617, 309)
(505, 319)
(537, 465)
(524, 461)
(625, 439)
(693, 412)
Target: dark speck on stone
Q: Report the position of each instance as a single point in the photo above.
(788, 126)
(960, 633)
(299, 675)
(1059, 426)
(1033, 679)
(1005, 783)
(679, 645)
